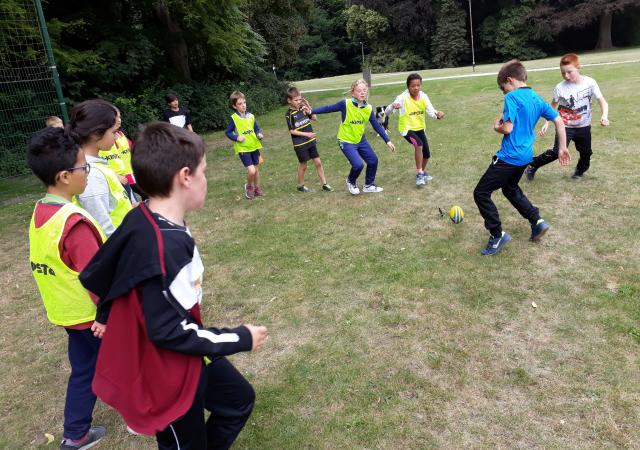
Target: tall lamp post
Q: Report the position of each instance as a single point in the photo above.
(362, 50)
(473, 53)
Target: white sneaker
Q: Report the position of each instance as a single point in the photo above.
(372, 188)
(353, 188)
(427, 177)
(420, 181)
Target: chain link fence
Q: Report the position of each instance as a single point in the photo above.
(29, 86)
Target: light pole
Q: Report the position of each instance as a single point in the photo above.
(362, 50)
(473, 53)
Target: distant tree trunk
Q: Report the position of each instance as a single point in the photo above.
(175, 44)
(604, 32)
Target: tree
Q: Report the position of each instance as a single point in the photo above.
(508, 33)
(282, 24)
(364, 24)
(448, 45)
(554, 16)
(325, 49)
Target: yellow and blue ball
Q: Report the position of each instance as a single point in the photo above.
(456, 214)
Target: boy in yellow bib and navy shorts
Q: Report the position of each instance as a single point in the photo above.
(244, 131)
(63, 238)
(412, 105)
(356, 112)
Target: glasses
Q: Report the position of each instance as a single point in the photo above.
(86, 168)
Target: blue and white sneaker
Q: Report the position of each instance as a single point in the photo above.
(538, 230)
(420, 181)
(426, 176)
(369, 188)
(495, 244)
(352, 188)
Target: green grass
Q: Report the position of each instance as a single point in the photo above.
(344, 81)
(388, 329)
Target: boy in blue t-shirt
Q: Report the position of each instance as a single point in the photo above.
(522, 109)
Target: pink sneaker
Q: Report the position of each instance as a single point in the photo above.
(258, 192)
(249, 192)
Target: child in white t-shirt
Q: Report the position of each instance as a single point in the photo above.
(573, 98)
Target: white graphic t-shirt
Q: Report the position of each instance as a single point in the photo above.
(575, 101)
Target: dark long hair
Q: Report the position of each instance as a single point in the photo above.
(91, 119)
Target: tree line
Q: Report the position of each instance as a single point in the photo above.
(133, 52)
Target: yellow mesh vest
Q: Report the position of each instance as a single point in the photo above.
(114, 160)
(65, 299)
(414, 115)
(244, 127)
(352, 128)
(122, 148)
(123, 205)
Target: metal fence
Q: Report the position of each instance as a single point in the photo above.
(30, 90)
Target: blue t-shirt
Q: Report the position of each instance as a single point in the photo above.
(522, 107)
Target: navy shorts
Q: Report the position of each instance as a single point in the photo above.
(304, 154)
(419, 139)
(250, 158)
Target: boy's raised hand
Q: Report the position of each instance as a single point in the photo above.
(258, 336)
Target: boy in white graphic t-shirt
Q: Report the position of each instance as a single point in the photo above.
(573, 98)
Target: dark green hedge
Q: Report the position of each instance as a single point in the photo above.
(207, 102)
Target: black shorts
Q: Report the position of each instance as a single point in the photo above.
(306, 153)
(419, 139)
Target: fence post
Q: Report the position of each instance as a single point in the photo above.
(52, 63)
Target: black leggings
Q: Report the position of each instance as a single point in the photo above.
(501, 175)
(228, 396)
(419, 139)
(581, 137)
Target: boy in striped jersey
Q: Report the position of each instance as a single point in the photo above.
(299, 119)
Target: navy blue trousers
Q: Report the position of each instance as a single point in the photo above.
(78, 407)
(356, 153)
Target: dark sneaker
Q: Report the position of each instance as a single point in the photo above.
(495, 244)
(327, 188)
(303, 188)
(93, 436)
(249, 192)
(257, 192)
(538, 230)
(577, 175)
(530, 172)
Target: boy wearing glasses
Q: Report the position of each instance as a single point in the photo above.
(522, 109)
(62, 239)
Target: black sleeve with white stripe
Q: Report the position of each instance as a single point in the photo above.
(168, 329)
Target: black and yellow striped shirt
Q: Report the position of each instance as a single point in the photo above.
(299, 121)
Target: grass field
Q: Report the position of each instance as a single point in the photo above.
(342, 82)
(388, 329)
